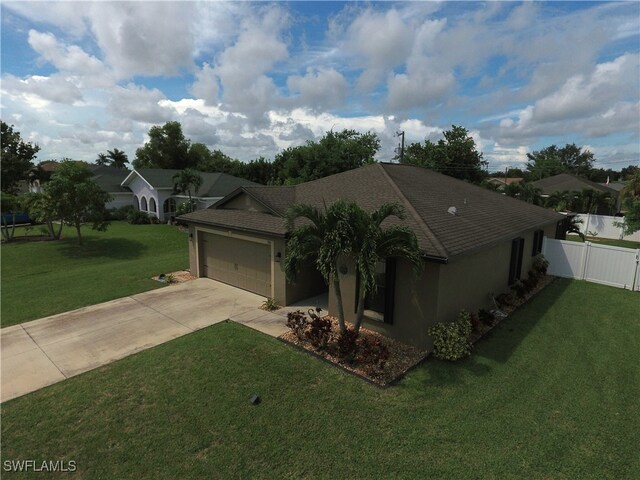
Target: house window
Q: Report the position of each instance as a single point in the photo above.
(152, 205)
(169, 206)
(515, 266)
(538, 236)
(378, 304)
(143, 204)
(136, 202)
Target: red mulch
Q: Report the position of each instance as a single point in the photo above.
(402, 357)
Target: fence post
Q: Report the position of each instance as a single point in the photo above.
(585, 260)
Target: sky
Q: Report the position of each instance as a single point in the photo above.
(252, 79)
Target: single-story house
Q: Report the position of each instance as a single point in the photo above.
(108, 178)
(152, 190)
(572, 183)
(501, 182)
(475, 244)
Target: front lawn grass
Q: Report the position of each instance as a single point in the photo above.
(606, 241)
(49, 277)
(552, 393)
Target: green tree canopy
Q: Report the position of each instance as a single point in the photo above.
(334, 153)
(167, 148)
(17, 158)
(455, 155)
(553, 160)
(74, 198)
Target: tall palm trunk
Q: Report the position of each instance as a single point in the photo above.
(338, 292)
(360, 310)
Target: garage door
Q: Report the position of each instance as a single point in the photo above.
(240, 263)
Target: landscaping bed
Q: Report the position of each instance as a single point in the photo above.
(180, 276)
(367, 362)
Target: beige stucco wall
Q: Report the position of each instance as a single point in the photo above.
(245, 202)
(415, 302)
(441, 291)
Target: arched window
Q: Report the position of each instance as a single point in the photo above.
(136, 202)
(143, 204)
(152, 205)
(169, 206)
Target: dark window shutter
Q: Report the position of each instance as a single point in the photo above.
(515, 265)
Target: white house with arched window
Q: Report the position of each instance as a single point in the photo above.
(154, 193)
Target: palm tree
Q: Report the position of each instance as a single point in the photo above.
(102, 159)
(560, 201)
(632, 187)
(512, 190)
(371, 244)
(346, 230)
(529, 193)
(324, 236)
(118, 158)
(185, 181)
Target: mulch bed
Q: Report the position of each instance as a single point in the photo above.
(180, 276)
(402, 357)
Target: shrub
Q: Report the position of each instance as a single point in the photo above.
(297, 321)
(476, 324)
(531, 281)
(120, 213)
(519, 289)
(319, 330)
(504, 300)
(347, 344)
(186, 207)
(373, 354)
(486, 317)
(540, 264)
(136, 217)
(451, 340)
(270, 304)
(170, 279)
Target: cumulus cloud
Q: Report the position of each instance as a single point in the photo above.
(39, 91)
(319, 89)
(139, 104)
(206, 85)
(242, 67)
(382, 40)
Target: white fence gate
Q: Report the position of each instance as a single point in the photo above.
(615, 266)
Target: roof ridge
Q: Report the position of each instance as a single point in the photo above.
(412, 211)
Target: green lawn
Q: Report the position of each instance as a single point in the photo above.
(606, 241)
(44, 278)
(553, 393)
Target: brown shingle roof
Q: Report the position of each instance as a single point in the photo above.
(565, 181)
(238, 219)
(483, 217)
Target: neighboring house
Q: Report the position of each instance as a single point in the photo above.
(469, 256)
(567, 182)
(108, 178)
(153, 190)
(501, 182)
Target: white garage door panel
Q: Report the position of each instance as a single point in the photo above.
(240, 263)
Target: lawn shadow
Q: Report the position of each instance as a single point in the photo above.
(501, 342)
(94, 247)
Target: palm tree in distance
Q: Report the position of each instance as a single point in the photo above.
(186, 181)
(117, 158)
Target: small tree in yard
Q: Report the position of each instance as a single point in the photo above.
(74, 198)
(41, 209)
(186, 181)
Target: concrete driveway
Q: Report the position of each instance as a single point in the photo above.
(45, 351)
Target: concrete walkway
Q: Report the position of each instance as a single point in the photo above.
(45, 351)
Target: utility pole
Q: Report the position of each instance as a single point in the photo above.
(401, 134)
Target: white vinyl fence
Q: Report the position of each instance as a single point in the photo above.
(604, 226)
(615, 266)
